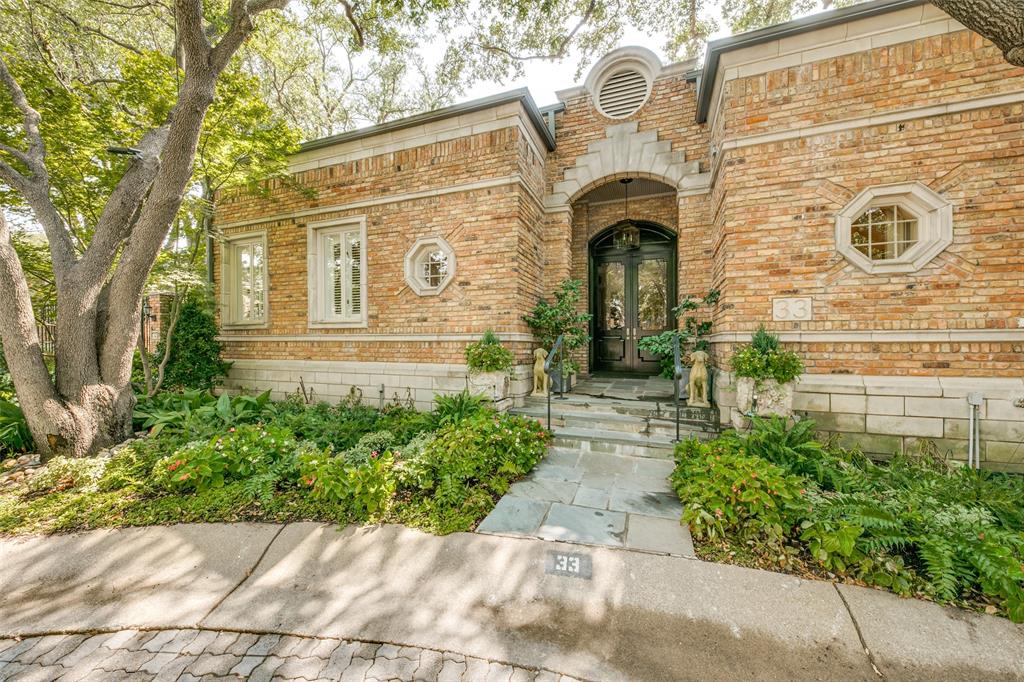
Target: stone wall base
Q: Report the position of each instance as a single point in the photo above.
(379, 382)
(886, 415)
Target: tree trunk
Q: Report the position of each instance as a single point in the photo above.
(1001, 21)
(99, 419)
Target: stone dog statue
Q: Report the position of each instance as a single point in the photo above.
(541, 380)
(698, 380)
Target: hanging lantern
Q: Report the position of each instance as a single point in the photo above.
(626, 232)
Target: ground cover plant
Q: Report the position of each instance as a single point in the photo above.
(777, 498)
(222, 458)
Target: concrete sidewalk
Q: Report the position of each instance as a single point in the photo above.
(593, 613)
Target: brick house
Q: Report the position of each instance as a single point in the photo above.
(853, 180)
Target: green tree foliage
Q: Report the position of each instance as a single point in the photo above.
(194, 360)
(562, 316)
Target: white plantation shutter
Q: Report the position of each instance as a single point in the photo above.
(354, 263)
(341, 279)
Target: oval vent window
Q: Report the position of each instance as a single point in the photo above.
(623, 93)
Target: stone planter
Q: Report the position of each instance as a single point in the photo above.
(765, 398)
(684, 384)
(492, 385)
(556, 383)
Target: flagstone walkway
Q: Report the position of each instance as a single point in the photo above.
(595, 498)
(191, 655)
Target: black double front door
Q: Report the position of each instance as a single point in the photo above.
(632, 297)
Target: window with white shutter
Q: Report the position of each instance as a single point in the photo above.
(337, 277)
(245, 279)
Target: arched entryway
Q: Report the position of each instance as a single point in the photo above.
(632, 294)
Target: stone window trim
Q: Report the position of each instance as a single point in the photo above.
(316, 270)
(415, 259)
(634, 58)
(231, 276)
(934, 226)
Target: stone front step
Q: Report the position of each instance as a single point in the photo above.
(589, 404)
(613, 442)
(613, 421)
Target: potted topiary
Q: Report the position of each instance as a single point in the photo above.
(489, 364)
(765, 374)
(551, 320)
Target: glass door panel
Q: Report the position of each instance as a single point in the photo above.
(610, 316)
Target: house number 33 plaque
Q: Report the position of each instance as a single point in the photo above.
(791, 309)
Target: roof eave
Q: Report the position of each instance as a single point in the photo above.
(522, 95)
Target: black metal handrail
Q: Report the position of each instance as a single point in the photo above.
(558, 347)
(677, 375)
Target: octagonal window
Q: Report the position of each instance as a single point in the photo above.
(429, 266)
(894, 228)
(884, 232)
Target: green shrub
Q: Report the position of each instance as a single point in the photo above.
(460, 472)
(14, 433)
(914, 525)
(369, 446)
(488, 355)
(763, 358)
(457, 407)
(341, 426)
(550, 320)
(364, 489)
(195, 360)
(200, 411)
(264, 455)
(795, 449)
(726, 491)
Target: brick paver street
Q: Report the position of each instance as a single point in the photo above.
(191, 655)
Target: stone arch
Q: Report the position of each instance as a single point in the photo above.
(624, 151)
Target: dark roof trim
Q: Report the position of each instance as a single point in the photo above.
(790, 28)
(521, 95)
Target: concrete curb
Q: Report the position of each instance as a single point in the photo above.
(638, 617)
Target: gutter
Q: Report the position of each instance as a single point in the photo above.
(522, 95)
(716, 48)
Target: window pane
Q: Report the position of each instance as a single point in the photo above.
(860, 234)
(653, 294)
(251, 297)
(884, 232)
(354, 255)
(335, 276)
(435, 268)
(612, 280)
(258, 294)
